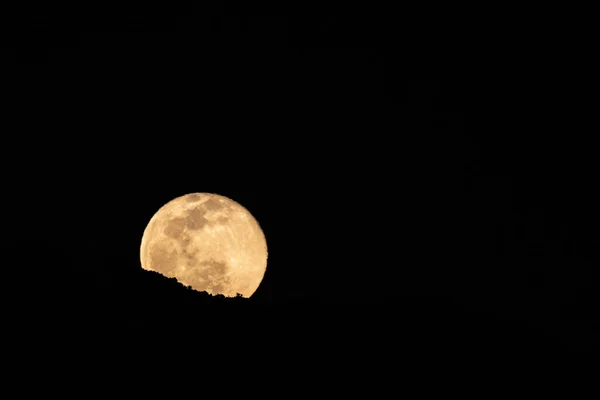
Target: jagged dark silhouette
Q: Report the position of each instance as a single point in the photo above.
(138, 316)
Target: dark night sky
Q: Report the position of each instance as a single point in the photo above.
(390, 168)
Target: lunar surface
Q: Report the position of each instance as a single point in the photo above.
(208, 242)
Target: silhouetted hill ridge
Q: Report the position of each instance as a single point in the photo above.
(49, 291)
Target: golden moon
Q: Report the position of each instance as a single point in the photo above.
(208, 242)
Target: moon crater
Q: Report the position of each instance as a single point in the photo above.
(195, 219)
(175, 227)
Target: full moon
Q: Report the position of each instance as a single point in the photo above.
(208, 242)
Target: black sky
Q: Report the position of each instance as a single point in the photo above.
(390, 167)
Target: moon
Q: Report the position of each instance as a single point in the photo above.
(206, 241)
